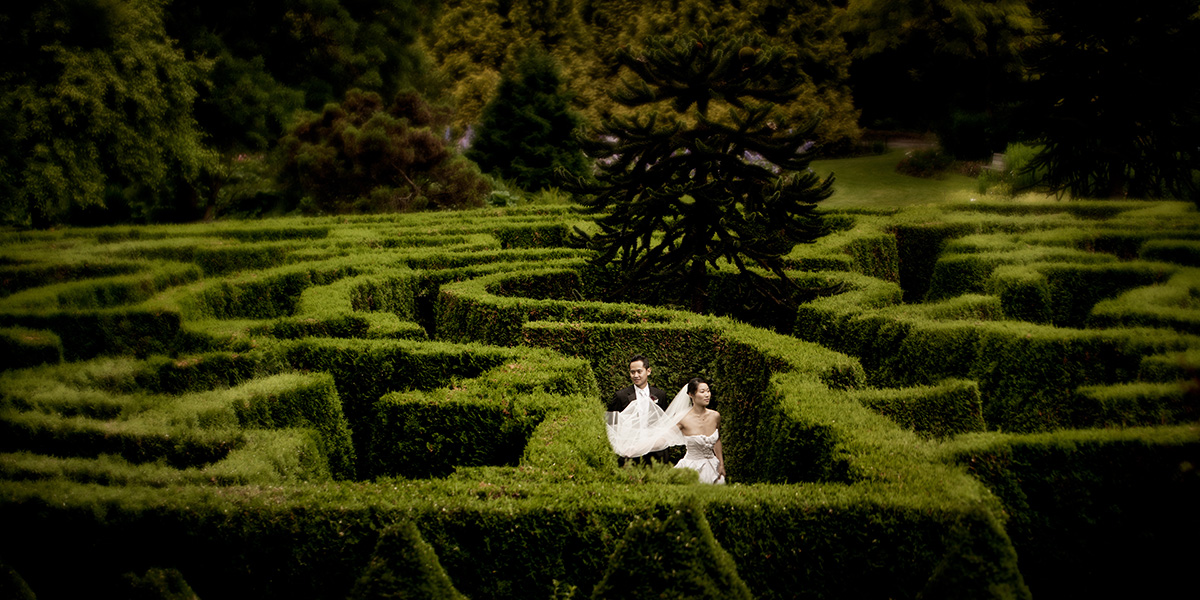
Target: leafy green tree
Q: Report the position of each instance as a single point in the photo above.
(272, 58)
(709, 170)
(365, 156)
(471, 42)
(96, 106)
(527, 130)
(1107, 103)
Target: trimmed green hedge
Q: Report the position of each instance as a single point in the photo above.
(504, 539)
(218, 260)
(1139, 404)
(89, 333)
(556, 235)
(136, 441)
(1098, 210)
(104, 292)
(940, 411)
(828, 498)
(14, 278)
(298, 401)
(1179, 252)
(22, 348)
(429, 434)
(1095, 512)
(1174, 304)
(958, 274)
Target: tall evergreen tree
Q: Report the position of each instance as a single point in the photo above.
(706, 171)
(527, 130)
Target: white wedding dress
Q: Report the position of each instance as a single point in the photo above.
(701, 457)
(643, 427)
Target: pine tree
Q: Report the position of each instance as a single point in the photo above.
(527, 130)
(367, 156)
(716, 174)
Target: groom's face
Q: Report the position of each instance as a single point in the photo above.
(638, 373)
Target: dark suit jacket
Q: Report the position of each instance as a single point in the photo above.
(624, 396)
(620, 400)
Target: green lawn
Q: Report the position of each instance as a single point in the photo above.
(872, 182)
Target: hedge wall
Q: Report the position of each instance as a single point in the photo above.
(1095, 512)
(415, 402)
(21, 348)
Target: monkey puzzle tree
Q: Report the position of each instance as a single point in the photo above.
(708, 171)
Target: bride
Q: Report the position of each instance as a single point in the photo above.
(643, 427)
(700, 428)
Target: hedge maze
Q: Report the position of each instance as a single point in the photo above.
(976, 401)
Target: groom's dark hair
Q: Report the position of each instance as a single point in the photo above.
(637, 357)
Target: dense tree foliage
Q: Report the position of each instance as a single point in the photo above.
(363, 155)
(527, 130)
(272, 57)
(706, 169)
(96, 104)
(948, 65)
(1108, 103)
(472, 40)
(152, 110)
(806, 34)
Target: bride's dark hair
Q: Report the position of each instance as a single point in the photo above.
(694, 384)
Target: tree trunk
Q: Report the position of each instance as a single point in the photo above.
(698, 281)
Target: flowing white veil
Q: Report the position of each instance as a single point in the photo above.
(644, 427)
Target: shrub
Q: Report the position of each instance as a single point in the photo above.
(1028, 374)
(533, 236)
(1138, 404)
(159, 584)
(90, 333)
(1058, 487)
(930, 163)
(428, 434)
(218, 260)
(298, 401)
(1174, 304)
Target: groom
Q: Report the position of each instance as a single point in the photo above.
(639, 374)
